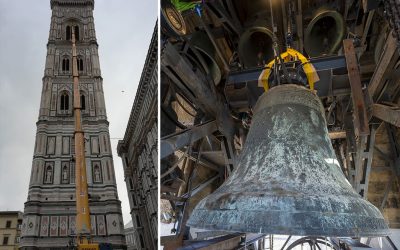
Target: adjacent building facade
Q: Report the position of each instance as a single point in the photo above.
(138, 151)
(130, 236)
(49, 214)
(10, 229)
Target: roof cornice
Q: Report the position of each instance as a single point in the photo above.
(72, 3)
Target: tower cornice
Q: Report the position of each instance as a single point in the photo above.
(71, 3)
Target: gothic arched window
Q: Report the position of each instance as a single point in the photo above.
(76, 29)
(68, 33)
(64, 102)
(83, 102)
(65, 65)
(80, 64)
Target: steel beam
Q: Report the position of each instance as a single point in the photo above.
(320, 64)
(361, 127)
(171, 143)
(387, 114)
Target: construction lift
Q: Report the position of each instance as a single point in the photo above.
(83, 227)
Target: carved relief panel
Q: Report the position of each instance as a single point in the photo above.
(72, 228)
(44, 226)
(53, 226)
(101, 225)
(63, 225)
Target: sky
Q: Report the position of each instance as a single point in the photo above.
(123, 28)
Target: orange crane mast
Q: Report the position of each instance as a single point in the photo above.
(83, 226)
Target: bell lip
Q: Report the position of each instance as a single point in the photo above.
(281, 230)
(324, 12)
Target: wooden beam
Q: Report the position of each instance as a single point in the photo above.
(171, 242)
(361, 127)
(369, 159)
(387, 114)
(337, 135)
(172, 198)
(384, 66)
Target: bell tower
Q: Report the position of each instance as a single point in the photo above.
(49, 214)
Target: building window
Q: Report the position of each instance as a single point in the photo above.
(68, 33)
(17, 239)
(64, 102)
(80, 64)
(5, 240)
(76, 33)
(83, 102)
(65, 65)
(8, 224)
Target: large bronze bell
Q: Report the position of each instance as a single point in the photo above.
(324, 34)
(288, 180)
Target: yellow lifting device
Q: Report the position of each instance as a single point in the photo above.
(291, 55)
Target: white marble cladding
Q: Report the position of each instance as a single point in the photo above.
(49, 214)
(56, 225)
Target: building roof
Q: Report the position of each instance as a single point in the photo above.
(11, 213)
